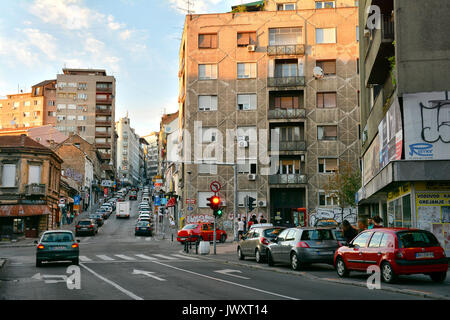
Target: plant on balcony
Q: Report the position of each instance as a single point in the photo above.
(240, 8)
(392, 64)
(344, 184)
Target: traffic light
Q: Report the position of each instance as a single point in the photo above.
(214, 202)
(251, 203)
(218, 212)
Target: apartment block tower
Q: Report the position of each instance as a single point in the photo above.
(269, 69)
(85, 102)
(128, 152)
(405, 114)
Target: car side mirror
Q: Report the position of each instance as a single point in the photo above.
(36, 242)
(275, 240)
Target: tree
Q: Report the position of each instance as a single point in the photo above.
(344, 184)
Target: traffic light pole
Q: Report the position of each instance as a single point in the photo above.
(215, 222)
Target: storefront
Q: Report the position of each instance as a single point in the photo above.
(23, 220)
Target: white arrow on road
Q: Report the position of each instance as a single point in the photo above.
(148, 274)
(38, 276)
(229, 271)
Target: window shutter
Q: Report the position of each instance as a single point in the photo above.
(34, 174)
(9, 175)
(271, 65)
(320, 100)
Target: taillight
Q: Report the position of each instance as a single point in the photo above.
(264, 241)
(78, 227)
(91, 226)
(302, 244)
(137, 228)
(41, 246)
(75, 245)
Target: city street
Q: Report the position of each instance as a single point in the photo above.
(116, 265)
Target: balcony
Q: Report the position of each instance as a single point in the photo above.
(102, 146)
(104, 101)
(104, 90)
(379, 48)
(279, 113)
(35, 190)
(103, 112)
(102, 134)
(99, 123)
(107, 167)
(286, 81)
(288, 179)
(291, 146)
(294, 49)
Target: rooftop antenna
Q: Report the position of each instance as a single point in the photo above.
(189, 4)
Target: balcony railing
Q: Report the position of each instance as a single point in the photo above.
(103, 112)
(294, 49)
(288, 179)
(103, 123)
(279, 113)
(286, 81)
(101, 100)
(35, 190)
(290, 146)
(106, 90)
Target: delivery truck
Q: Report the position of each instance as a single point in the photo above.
(123, 209)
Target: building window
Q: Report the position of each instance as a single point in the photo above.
(325, 4)
(243, 194)
(71, 118)
(51, 114)
(325, 35)
(26, 114)
(82, 96)
(328, 165)
(71, 107)
(246, 38)
(202, 196)
(289, 134)
(328, 199)
(27, 103)
(208, 135)
(16, 105)
(207, 71)
(289, 166)
(328, 67)
(285, 36)
(207, 41)
(246, 101)
(37, 91)
(9, 175)
(246, 70)
(51, 103)
(81, 118)
(285, 6)
(34, 174)
(326, 100)
(207, 103)
(207, 169)
(327, 133)
(289, 102)
(82, 86)
(286, 68)
(37, 102)
(61, 118)
(61, 107)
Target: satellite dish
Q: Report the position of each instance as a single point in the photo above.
(318, 72)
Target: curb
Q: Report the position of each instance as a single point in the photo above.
(339, 281)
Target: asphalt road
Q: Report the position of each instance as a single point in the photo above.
(116, 265)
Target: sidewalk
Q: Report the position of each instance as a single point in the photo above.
(416, 285)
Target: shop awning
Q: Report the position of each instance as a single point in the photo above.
(23, 210)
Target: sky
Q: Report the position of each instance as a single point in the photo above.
(137, 41)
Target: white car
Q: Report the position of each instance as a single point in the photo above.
(144, 215)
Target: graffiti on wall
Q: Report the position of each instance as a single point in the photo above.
(350, 214)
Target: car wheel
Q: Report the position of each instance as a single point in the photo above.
(295, 263)
(438, 276)
(38, 263)
(223, 238)
(240, 254)
(270, 261)
(341, 269)
(387, 273)
(75, 261)
(258, 256)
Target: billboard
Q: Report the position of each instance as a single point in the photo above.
(390, 133)
(427, 125)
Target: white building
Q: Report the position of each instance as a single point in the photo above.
(127, 152)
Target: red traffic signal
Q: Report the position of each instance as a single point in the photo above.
(214, 202)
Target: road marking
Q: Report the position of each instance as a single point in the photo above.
(128, 293)
(106, 258)
(164, 257)
(184, 257)
(143, 256)
(125, 257)
(229, 271)
(148, 274)
(84, 258)
(148, 239)
(226, 281)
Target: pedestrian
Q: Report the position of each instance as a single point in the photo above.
(370, 223)
(262, 220)
(349, 232)
(378, 222)
(250, 223)
(362, 225)
(240, 228)
(244, 220)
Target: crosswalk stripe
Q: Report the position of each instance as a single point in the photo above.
(106, 258)
(184, 257)
(125, 257)
(164, 257)
(148, 239)
(143, 256)
(84, 258)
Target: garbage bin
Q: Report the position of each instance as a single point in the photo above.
(204, 248)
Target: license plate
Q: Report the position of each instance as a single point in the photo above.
(424, 255)
(84, 229)
(59, 248)
(325, 252)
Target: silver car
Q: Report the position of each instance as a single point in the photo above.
(301, 246)
(255, 242)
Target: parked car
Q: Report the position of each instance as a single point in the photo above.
(86, 226)
(326, 223)
(200, 231)
(103, 212)
(57, 246)
(143, 228)
(141, 216)
(98, 218)
(133, 195)
(301, 246)
(396, 251)
(254, 243)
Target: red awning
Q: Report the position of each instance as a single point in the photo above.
(171, 202)
(24, 210)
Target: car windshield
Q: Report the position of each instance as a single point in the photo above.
(416, 239)
(84, 223)
(143, 224)
(272, 232)
(190, 227)
(57, 237)
(339, 235)
(317, 235)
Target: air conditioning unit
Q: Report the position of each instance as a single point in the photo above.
(262, 203)
(243, 144)
(251, 48)
(251, 177)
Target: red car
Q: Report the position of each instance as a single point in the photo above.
(396, 251)
(202, 231)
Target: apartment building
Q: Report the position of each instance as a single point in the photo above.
(128, 152)
(287, 68)
(85, 102)
(405, 114)
(152, 154)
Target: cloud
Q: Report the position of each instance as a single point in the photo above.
(43, 41)
(16, 52)
(201, 6)
(125, 35)
(114, 25)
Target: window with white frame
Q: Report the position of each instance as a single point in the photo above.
(26, 114)
(285, 36)
(246, 101)
(285, 6)
(207, 103)
(246, 70)
(207, 71)
(246, 166)
(82, 96)
(71, 107)
(328, 165)
(61, 107)
(81, 118)
(327, 133)
(27, 103)
(325, 35)
(61, 118)
(328, 199)
(34, 174)
(9, 175)
(325, 4)
(16, 105)
(71, 118)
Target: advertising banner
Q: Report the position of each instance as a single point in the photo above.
(427, 125)
(390, 133)
(371, 161)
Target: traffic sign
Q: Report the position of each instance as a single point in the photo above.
(215, 186)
